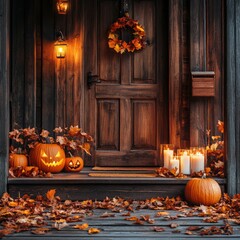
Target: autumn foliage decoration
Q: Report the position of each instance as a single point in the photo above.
(46, 152)
(138, 40)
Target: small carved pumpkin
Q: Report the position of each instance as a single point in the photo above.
(204, 191)
(74, 164)
(16, 160)
(48, 157)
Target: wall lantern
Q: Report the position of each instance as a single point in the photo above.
(60, 45)
(62, 6)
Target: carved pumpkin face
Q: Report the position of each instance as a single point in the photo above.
(48, 157)
(74, 164)
(16, 160)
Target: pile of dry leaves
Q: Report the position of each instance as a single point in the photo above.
(47, 213)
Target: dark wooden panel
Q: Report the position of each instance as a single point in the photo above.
(162, 52)
(30, 64)
(48, 65)
(144, 124)
(231, 113)
(38, 32)
(130, 91)
(90, 64)
(108, 124)
(60, 67)
(75, 78)
(198, 109)
(17, 64)
(109, 61)
(144, 158)
(143, 61)
(4, 90)
(215, 59)
(175, 69)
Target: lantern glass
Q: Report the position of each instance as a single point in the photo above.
(62, 6)
(61, 48)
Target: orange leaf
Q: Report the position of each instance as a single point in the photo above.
(51, 194)
(83, 226)
(93, 230)
(86, 148)
(133, 218)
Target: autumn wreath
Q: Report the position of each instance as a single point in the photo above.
(137, 42)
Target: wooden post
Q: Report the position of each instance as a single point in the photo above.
(4, 92)
(232, 112)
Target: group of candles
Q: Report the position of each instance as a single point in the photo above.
(186, 161)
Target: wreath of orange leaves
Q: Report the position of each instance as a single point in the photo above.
(120, 46)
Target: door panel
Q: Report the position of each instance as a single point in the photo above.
(127, 106)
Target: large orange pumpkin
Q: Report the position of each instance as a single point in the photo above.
(16, 160)
(48, 157)
(204, 191)
(74, 164)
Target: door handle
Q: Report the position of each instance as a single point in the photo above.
(91, 79)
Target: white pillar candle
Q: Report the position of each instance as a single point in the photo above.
(167, 155)
(174, 163)
(185, 163)
(197, 162)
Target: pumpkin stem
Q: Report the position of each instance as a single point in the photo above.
(204, 176)
(70, 154)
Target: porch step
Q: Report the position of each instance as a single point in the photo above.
(81, 186)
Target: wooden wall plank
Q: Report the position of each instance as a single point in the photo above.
(17, 64)
(90, 64)
(48, 63)
(198, 107)
(237, 97)
(60, 75)
(175, 69)
(75, 79)
(4, 91)
(215, 60)
(162, 38)
(38, 32)
(232, 92)
(30, 64)
(207, 54)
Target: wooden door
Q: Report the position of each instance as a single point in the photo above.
(127, 112)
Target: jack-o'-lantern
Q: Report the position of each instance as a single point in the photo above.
(16, 160)
(73, 164)
(48, 157)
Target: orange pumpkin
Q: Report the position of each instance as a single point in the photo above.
(74, 164)
(48, 157)
(16, 160)
(204, 191)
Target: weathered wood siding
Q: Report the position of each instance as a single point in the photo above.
(4, 91)
(232, 113)
(48, 92)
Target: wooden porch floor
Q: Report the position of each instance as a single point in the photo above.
(147, 223)
(117, 227)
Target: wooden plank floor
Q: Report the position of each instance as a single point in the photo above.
(118, 228)
(80, 186)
